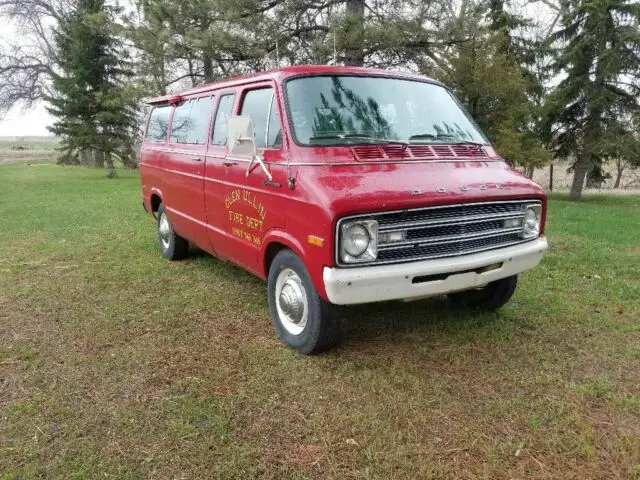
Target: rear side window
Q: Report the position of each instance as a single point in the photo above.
(158, 124)
(225, 107)
(261, 107)
(190, 121)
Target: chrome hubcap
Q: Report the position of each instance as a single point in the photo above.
(291, 301)
(164, 230)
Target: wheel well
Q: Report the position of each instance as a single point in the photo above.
(270, 254)
(155, 203)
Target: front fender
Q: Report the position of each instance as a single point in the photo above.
(282, 237)
(310, 255)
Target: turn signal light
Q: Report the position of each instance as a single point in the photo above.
(317, 241)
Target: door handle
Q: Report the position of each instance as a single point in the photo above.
(198, 159)
(229, 163)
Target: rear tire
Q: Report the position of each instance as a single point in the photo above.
(172, 245)
(490, 297)
(302, 319)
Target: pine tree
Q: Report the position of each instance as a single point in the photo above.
(92, 103)
(590, 108)
(146, 29)
(489, 74)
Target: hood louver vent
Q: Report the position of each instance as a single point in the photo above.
(368, 153)
(396, 152)
(422, 151)
(380, 153)
(443, 150)
(468, 151)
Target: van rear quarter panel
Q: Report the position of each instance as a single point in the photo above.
(151, 174)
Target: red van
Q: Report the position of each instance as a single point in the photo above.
(339, 186)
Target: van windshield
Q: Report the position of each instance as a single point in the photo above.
(347, 110)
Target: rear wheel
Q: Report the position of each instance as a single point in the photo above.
(490, 297)
(172, 245)
(303, 319)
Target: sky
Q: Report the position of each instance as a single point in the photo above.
(31, 123)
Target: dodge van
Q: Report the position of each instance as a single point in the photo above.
(339, 186)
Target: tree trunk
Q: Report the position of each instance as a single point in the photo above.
(208, 68)
(551, 177)
(128, 155)
(97, 160)
(529, 171)
(68, 158)
(579, 174)
(161, 74)
(108, 162)
(354, 52)
(192, 72)
(619, 171)
(85, 157)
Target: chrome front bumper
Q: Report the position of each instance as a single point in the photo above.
(349, 286)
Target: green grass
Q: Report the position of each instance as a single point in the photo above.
(117, 364)
(618, 198)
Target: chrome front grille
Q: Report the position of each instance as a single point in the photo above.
(448, 231)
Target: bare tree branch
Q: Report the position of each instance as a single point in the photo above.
(27, 65)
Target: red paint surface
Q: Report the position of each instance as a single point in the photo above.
(213, 204)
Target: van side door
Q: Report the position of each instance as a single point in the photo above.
(215, 176)
(251, 203)
(184, 169)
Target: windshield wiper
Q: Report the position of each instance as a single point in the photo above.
(341, 136)
(390, 141)
(460, 141)
(447, 136)
(329, 136)
(421, 136)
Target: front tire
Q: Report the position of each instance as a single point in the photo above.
(172, 245)
(490, 297)
(302, 319)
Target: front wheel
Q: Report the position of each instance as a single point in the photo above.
(302, 319)
(490, 297)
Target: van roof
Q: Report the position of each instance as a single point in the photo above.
(285, 72)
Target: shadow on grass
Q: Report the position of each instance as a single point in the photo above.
(197, 253)
(429, 320)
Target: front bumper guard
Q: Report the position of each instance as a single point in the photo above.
(349, 286)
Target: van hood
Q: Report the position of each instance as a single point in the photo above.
(352, 188)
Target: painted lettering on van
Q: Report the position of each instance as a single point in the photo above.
(247, 197)
(245, 225)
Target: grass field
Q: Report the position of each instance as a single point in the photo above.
(30, 151)
(117, 364)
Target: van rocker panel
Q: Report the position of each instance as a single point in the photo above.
(350, 286)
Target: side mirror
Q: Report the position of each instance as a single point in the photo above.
(242, 143)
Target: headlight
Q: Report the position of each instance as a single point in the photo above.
(359, 241)
(356, 240)
(531, 224)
